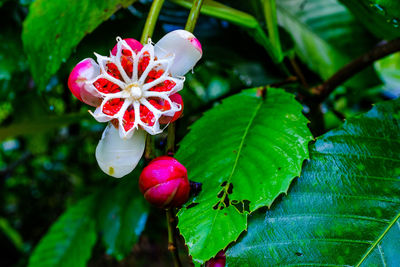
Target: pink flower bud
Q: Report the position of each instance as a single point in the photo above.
(164, 182)
(135, 45)
(177, 99)
(218, 261)
(84, 71)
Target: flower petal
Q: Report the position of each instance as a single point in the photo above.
(116, 156)
(135, 45)
(83, 72)
(185, 47)
(176, 99)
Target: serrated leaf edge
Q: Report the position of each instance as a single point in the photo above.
(251, 93)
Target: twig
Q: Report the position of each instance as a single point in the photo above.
(172, 247)
(150, 148)
(325, 89)
(298, 71)
(190, 25)
(170, 147)
(290, 79)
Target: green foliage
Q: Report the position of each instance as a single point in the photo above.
(122, 217)
(385, 250)
(388, 70)
(118, 214)
(324, 32)
(40, 125)
(13, 235)
(12, 60)
(344, 209)
(70, 240)
(218, 10)
(246, 152)
(53, 28)
(381, 17)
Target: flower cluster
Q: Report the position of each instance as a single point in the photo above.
(135, 89)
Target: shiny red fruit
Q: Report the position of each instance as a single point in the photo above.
(164, 182)
(218, 261)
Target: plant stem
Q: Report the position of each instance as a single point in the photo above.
(147, 33)
(193, 15)
(326, 88)
(237, 17)
(298, 71)
(272, 26)
(151, 20)
(170, 147)
(190, 25)
(149, 152)
(171, 237)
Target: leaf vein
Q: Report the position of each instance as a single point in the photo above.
(350, 216)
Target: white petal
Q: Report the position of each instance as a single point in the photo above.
(90, 95)
(116, 156)
(99, 115)
(184, 46)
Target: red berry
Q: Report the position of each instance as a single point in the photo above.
(164, 182)
(218, 261)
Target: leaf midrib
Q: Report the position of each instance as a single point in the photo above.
(369, 251)
(243, 138)
(236, 159)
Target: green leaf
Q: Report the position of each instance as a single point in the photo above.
(272, 26)
(324, 34)
(11, 58)
(53, 28)
(344, 209)
(245, 152)
(387, 243)
(40, 125)
(122, 217)
(381, 17)
(237, 17)
(70, 239)
(388, 69)
(11, 233)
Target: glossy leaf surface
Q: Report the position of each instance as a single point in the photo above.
(323, 33)
(381, 17)
(344, 209)
(122, 217)
(246, 152)
(70, 239)
(53, 28)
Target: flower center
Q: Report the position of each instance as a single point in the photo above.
(134, 91)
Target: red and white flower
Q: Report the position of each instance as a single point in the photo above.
(135, 90)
